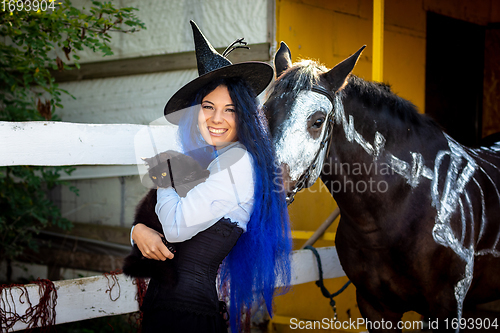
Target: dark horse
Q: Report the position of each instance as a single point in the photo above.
(420, 213)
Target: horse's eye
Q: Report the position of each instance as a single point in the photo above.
(163, 174)
(318, 123)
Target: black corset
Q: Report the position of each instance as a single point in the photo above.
(198, 260)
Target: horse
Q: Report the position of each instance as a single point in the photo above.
(420, 213)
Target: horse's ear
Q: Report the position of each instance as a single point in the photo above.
(282, 59)
(337, 75)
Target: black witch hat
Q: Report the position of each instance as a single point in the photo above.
(213, 66)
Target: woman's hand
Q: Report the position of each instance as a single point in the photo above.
(149, 242)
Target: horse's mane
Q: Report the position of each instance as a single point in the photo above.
(378, 96)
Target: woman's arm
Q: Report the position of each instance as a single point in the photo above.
(205, 204)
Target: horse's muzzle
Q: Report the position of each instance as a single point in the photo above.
(288, 184)
(291, 187)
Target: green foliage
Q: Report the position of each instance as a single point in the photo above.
(25, 207)
(30, 44)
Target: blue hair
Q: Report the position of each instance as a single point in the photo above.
(190, 138)
(260, 260)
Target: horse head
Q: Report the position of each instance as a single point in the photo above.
(300, 113)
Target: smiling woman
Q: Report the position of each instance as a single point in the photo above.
(237, 218)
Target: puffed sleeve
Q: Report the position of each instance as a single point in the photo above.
(229, 185)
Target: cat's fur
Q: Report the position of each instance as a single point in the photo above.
(186, 174)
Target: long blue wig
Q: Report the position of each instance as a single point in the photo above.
(260, 260)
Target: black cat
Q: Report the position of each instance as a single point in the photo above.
(166, 169)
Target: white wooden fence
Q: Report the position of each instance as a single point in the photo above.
(117, 147)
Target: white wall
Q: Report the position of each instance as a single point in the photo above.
(135, 99)
(105, 201)
(168, 29)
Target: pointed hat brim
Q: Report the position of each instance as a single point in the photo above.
(258, 75)
(213, 66)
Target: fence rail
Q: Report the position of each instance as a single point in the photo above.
(78, 299)
(107, 295)
(58, 143)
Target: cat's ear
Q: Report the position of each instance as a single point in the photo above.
(146, 160)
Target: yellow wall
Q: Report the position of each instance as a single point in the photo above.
(330, 31)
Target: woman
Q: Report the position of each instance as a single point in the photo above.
(238, 212)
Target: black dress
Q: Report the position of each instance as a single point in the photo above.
(192, 304)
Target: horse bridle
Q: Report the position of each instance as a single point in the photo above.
(326, 140)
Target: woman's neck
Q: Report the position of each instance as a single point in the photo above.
(220, 150)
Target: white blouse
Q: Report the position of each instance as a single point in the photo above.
(227, 192)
